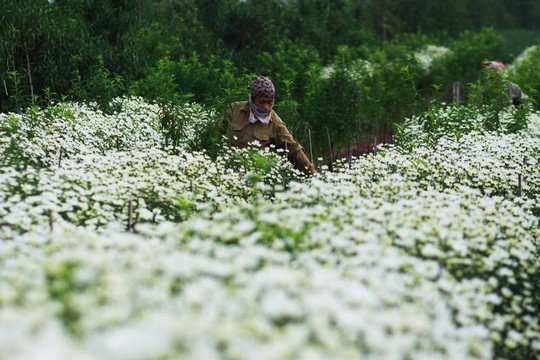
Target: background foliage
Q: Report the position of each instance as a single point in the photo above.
(174, 51)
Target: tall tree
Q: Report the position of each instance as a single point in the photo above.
(39, 41)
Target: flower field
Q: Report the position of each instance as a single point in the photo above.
(115, 247)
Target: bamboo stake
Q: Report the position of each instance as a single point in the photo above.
(51, 221)
(331, 167)
(29, 74)
(456, 91)
(130, 216)
(519, 185)
(60, 157)
(310, 146)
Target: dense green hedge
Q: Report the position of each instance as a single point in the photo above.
(339, 67)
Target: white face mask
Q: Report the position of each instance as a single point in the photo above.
(262, 111)
(258, 114)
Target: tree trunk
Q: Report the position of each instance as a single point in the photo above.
(140, 8)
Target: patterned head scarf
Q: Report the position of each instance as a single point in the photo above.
(262, 87)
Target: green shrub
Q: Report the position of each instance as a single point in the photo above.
(490, 96)
(286, 65)
(97, 86)
(463, 63)
(332, 110)
(526, 73)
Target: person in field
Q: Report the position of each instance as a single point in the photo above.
(514, 92)
(255, 121)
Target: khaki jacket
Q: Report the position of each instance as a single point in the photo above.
(242, 132)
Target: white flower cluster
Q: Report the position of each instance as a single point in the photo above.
(96, 190)
(94, 184)
(170, 294)
(428, 54)
(65, 130)
(358, 70)
(495, 164)
(424, 254)
(186, 122)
